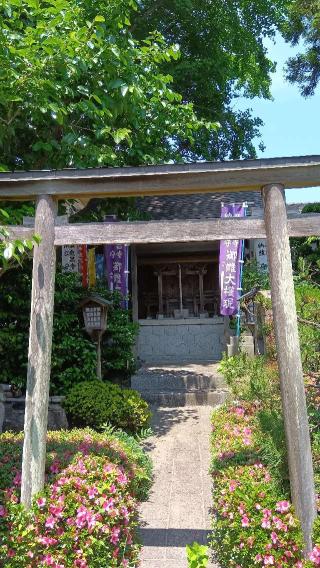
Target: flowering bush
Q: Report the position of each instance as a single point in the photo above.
(254, 524)
(87, 514)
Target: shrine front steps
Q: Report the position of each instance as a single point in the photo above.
(185, 385)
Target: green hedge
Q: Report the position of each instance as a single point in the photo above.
(94, 403)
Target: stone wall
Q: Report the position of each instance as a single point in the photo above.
(12, 412)
(175, 341)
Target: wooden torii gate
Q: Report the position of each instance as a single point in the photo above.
(270, 176)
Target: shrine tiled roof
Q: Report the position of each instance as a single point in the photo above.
(196, 206)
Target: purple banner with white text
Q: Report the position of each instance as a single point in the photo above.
(116, 263)
(116, 260)
(230, 264)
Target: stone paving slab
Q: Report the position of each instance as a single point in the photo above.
(177, 512)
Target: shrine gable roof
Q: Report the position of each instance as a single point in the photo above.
(196, 206)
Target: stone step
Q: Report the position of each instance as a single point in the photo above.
(175, 381)
(185, 398)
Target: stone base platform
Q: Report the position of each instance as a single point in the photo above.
(12, 412)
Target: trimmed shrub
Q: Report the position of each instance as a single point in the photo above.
(94, 403)
(87, 514)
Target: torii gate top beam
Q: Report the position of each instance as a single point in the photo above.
(235, 175)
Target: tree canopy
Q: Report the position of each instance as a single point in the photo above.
(77, 90)
(304, 24)
(222, 57)
(100, 82)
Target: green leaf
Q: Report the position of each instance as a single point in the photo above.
(97, 99)
(4, 213)
(120, 134)
(99, 19)
(8, 251)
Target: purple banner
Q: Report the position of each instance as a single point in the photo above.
(230, 264)
(117, 257)
(117, 272)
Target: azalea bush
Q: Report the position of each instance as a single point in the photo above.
(254, 522)
(87, 514)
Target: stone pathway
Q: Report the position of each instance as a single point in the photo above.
(177, 512)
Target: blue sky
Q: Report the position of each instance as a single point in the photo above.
(291, 123)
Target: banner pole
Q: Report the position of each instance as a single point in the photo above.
(238, 329)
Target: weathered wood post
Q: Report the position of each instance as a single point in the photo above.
(289, 359)
(39, 358)
(134, 280)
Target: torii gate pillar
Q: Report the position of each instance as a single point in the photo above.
(289, 359)
(39, 357)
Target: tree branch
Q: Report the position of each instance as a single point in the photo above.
(309, 322)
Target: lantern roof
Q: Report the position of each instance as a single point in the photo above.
(97, 300)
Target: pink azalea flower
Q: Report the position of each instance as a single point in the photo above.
(47, 540)
(56, 511)
(122, 479)
(265, 523)
(54, 468)
(283, 506)
(239, 410)
(92, 492)
(41, 502)
(50, 522)
(81, 563)
(268, 560)
(108, 504)
(17, 479)
(124, 512)
(2, 511)
(81, 517)
(274, 537)
(279, 524)
(315, 555)
(245, 522)
(115, 535)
